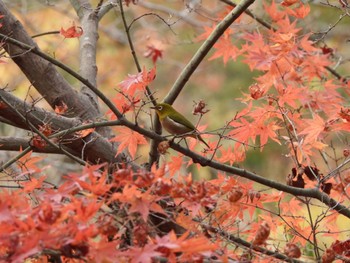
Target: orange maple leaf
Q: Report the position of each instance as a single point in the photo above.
(86, 132)
(174, 165)
(128, 139)
(301, 12)
(207, 32)
(289, 2)
(274, 13)
(27, 163)
(141, 202)
(314, 128)
(144, 254)
(225, 49)
(33, 184)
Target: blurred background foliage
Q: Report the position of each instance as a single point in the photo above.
(217, 84)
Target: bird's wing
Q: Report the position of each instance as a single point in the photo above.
(184, 121)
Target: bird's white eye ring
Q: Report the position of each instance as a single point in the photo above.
(160, 107)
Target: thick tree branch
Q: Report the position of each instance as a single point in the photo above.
(16, 144)
(54, 88)
(96, 148)
(88, 45)
(36, 51)
(38, 132)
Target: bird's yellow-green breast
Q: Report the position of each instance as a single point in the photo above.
(175, 123)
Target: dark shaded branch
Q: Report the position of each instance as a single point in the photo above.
(96, 148)
(33, 128)
(16, 144)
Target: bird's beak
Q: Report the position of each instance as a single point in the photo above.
(153, 108)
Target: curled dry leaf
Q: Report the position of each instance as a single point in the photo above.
(328, 256)
(2, 105)
(84, 133)
(38, 142)
(163, 147)
(235, 194)
(253, 194)
(72, 32)
(61, 109)
(292, 250)
(199, 108)
(256, 91)
(262, 234)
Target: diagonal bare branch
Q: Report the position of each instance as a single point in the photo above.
(204, 49)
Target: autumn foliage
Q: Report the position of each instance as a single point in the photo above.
(120, 208)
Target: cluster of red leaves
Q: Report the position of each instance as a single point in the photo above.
(75, 220)
(284, 105)
(131, 90)
(104, 217)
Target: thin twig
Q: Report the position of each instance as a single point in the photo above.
(248, 245)
(153, 153)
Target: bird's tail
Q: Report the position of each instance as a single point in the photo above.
(201, 139)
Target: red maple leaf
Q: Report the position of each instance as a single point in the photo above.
(153, 52)
(72, 32)
(142, 254)
(138, 81)
(141, 202)
(225, 49)
(33, 184)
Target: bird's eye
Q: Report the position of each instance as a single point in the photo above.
(160, 107)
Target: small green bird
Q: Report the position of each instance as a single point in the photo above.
(175, 123)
